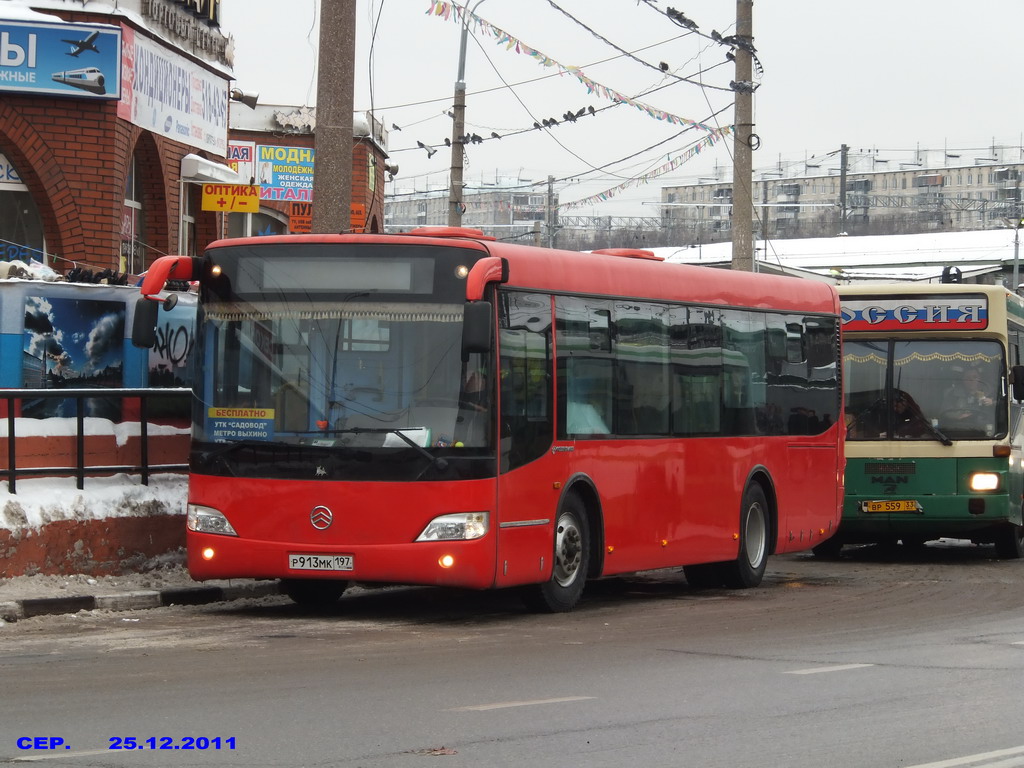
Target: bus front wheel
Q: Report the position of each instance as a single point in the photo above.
(317, 594)
(570, 565)
(748, 568)
(1009, 542)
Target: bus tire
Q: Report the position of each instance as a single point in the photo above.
(570, 564)
(316, 594)
(748, 568)
(1009, 541)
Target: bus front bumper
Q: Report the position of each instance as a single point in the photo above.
(958, 517)
(468, 564)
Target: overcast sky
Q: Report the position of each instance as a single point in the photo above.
(885, 74)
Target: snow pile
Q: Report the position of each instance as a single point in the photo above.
(92, 425)
(46, 500)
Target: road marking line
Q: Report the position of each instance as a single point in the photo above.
(976, 758)
(55, 755)
(837, 668)
(505, 704)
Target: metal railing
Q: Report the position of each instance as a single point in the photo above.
(80, 469)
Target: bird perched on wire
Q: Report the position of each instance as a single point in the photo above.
(430, 150)
(680, 18)
(495, 135)
(394, 127)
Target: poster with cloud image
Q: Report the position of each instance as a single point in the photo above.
(73, 343)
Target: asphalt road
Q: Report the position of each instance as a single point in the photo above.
(878, 659)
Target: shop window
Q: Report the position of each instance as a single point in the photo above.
(266, 222)
(133, 258)
(21, 230)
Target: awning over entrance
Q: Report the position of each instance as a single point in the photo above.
(197, 170)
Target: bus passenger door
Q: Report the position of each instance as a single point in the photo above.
(528, 469)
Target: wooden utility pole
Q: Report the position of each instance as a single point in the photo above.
(742, 189)
(332, 176)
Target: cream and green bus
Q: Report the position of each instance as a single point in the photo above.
(933, 385)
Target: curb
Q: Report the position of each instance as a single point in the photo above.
(132, 600)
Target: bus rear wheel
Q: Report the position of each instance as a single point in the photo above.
(748, 568)
(316, 594)
(570, 566)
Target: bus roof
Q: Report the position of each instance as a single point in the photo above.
(622, 272)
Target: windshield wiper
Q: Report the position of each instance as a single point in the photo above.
(438, 461)
(937, 433)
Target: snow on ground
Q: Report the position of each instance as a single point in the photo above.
(44, 500)
(165, 572)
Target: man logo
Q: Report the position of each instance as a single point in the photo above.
(321, 518)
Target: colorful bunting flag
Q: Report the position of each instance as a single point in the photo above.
(459, 13)
(667, 167)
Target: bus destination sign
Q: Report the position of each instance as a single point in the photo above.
(966, 312)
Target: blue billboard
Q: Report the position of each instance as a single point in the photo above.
(80, 60)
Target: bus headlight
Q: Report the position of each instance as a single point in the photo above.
(460, 526)
(208, 520)
(984, 481)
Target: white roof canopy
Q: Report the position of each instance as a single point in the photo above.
(196, 170)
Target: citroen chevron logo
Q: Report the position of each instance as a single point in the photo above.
(321, 518)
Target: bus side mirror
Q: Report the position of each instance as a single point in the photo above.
(144, 322)
(1017, 382)
(477, 330)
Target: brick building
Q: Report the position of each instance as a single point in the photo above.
(100, 107)
(115, 114)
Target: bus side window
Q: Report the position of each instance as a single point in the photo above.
(585, 366)
(642, 402)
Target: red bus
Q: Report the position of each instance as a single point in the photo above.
(439, 408)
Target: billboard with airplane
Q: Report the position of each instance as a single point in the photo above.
(79, 60)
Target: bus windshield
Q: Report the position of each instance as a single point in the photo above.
(924, 390)
(350, 366)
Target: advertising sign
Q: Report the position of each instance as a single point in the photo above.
(285, 173)
(169, 95)
(231, 197)
(300, 218)
(242, 158)
(79, 60)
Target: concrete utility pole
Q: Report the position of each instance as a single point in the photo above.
(843, 159)
(742, 204)
(456, 187)
(332, 177)
(549, 213)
